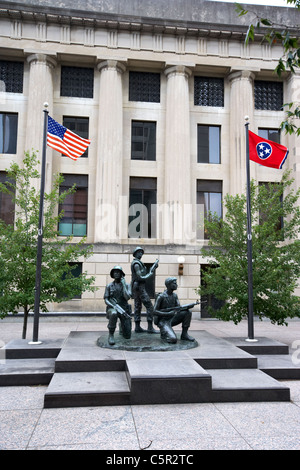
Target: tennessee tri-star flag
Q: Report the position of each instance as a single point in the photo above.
(65, 141)
(266, 152)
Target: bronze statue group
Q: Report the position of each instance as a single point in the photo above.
(166, 312)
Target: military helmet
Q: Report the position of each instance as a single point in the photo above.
(138, 248)
(116, 268)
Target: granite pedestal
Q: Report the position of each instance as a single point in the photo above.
(88, 372)
(83, 371)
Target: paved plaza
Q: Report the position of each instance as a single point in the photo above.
(26, 425)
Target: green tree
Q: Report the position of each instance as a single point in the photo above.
(276, 254)
(288, 37)
(18, 246)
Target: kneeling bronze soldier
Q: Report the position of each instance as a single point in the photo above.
(116, 297)
(168, 313)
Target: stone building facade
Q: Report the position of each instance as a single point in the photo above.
(161, 87)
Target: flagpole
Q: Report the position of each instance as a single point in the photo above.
(249, 242)
(40, 235)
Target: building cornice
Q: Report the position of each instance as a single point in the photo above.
(23, 11)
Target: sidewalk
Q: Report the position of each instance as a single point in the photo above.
(25, 424)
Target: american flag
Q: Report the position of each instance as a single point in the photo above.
(65, 141)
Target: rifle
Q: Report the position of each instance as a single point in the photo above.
(154, 265)
(118, 308)
(179, 307)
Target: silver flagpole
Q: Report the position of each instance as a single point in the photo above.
(249, 243)
(40, 236)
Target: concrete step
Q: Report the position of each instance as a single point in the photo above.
(26, 371)
(80, 352)
(245, 385)
(89, 359)
(262, 345)
(79, 389)
(219, 353)
(87, 389)
(167, 379)
(22, 349)
(284, 367)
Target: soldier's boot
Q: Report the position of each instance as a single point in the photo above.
(111, 339)
(185, 336)
(150, 328)
(138, 328)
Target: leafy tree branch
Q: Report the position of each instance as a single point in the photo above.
(18, 246)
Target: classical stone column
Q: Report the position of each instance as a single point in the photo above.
(241, 105)
(40, 90)
(177, 177)
(109, 152)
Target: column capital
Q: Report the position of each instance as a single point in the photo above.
(293, 76)
(41, 57)
(178, 70)
(111, 64)
(240, 75)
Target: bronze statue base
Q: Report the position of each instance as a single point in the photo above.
(145, 342)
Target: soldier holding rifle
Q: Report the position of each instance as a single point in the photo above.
(116, 297)
(168, 313)
(139, 276)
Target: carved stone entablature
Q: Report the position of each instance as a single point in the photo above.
(110, 22)
(174, 17)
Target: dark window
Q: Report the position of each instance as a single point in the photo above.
(7, 207)
(11, 76)
(209, 197)
(77, 82)
(209, 91)
(8, 132)
(142, 208)
(268, 95)
(143, 140)
(208, 300)
(78, 125)
(209, 144)
(270, 134)
(144, 86)
(74, 207)
(76, 272)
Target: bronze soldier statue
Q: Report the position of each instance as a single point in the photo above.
(116, 297)
(168, 313)
(139, 276)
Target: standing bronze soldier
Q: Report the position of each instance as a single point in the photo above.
(116, 297)
(139, 276)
